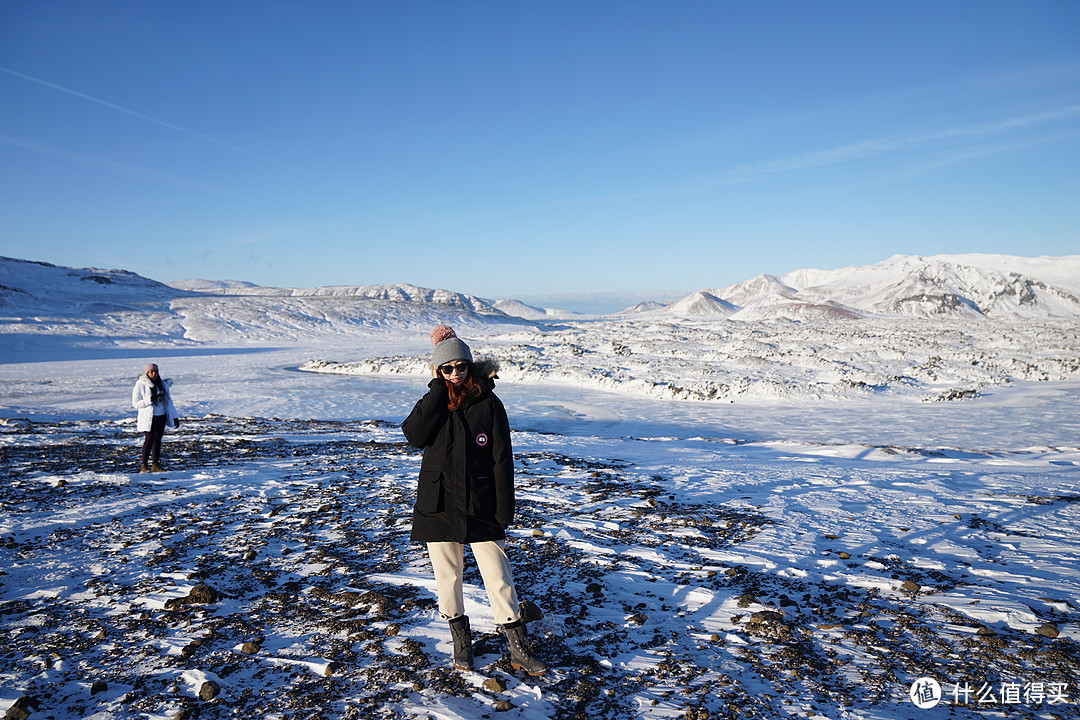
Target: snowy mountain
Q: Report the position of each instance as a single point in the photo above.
(395, 293)
(118, 307)
(39, 302)
(701, 305)
(36, 286)
(943, 286)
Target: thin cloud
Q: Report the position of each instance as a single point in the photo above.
(133, 113)
(114, 166)
(882, 146)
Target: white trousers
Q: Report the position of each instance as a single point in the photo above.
(448, 562)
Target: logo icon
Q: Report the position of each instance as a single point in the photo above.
(925, 693)
(482, 439)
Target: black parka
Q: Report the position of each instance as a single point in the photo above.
(465, 492)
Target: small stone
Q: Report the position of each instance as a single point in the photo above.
(537, 532)
(209, 690)
(594, 588)
(1047, 630)
(983, 630)
(249, 648)
(494, 685)
(910, 586)
(843, 555)
(503, 706)
(331, 667)
(745, 601)
(99, 686)
(638, 618)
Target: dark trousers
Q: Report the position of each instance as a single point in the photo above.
(151, 446)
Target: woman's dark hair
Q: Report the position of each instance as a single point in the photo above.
(469, 389)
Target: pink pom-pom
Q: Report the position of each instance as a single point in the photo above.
(442, 332)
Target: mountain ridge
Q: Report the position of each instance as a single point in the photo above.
(971, 286)
(968, 286)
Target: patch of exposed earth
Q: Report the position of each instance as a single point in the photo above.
(269, 573)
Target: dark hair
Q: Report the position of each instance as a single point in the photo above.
(469, 389)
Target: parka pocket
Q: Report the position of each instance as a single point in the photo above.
(429, 492)
(482, 498)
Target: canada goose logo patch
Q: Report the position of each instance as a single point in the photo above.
(482, 439)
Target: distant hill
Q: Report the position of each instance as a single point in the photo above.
(29, 285)
(943, 286)
(68, 306)
(118, 307)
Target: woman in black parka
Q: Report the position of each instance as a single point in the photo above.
(465, 493)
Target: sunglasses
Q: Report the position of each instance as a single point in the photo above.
(451, 369)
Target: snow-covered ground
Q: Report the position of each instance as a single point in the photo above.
(719, 518)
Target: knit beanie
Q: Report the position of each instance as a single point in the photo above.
(448, 347)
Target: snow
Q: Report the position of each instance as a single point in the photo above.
(779, 517)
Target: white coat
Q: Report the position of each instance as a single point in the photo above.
(140, 400)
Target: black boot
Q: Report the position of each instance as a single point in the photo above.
(462, 635)
(521, 657)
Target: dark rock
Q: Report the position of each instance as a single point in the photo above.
(530, 612)
(21, 708)
(250, 648)
(1047, 630)
(201, 594)
(99, 686)
(209, 690)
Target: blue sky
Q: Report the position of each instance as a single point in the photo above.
(523, 149)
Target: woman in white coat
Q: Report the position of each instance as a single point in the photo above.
(151, 397)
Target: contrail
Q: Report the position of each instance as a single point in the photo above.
(139, 115)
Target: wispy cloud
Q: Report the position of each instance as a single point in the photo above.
(133, 113)
(115, 166)
(896, 143)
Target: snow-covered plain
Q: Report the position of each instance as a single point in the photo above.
(766, 518)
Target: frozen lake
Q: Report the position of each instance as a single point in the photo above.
(266, 383)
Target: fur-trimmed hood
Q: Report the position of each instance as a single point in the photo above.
(487, 371)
